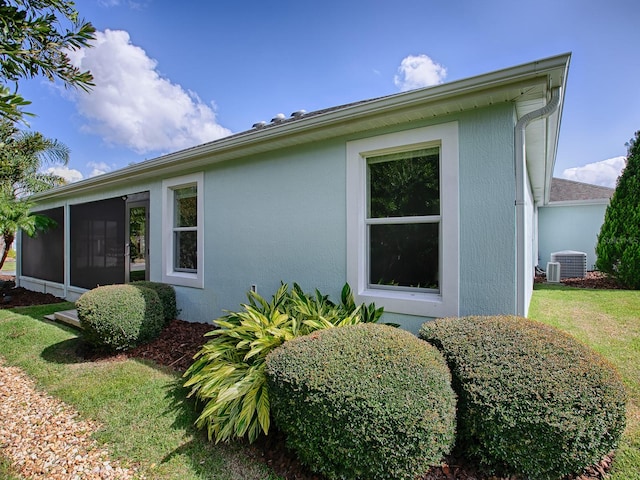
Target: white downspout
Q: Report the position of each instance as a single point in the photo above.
(520, 157)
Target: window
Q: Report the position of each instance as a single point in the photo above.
(402, 220)
(183, 231)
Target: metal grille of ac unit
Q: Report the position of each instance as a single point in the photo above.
(572, 264)
(553, 272)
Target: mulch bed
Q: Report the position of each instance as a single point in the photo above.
(180, 340)
(592, 280)
(12, 296)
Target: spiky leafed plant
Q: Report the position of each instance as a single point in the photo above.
(618, 248)
(228, 375)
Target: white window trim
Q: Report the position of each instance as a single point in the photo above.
(446, 302)
(169, 275)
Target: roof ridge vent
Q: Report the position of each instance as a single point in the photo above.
(260, 124)
(298, 113)
(278, 118)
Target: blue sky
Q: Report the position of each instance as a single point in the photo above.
(170, 75)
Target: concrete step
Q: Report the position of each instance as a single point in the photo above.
(70, 317)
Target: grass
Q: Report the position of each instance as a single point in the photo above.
(7, 472)
(9, 265)
(609, 322)
(142, 407)
(145, 417)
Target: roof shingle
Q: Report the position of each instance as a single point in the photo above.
(568, 190)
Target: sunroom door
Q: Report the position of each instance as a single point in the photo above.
(137, 238)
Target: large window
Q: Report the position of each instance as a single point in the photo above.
(403, 219)
(402, 216)
(183, 231)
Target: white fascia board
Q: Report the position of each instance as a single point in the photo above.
(577, 203)
(271, 137)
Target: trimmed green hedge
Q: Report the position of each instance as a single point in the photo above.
(364, 401)
(167, 296)
(531, 399)
(119, 317)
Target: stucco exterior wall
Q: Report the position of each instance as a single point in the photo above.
(529, 233)
(487, 214)
(569, 227)
(273, 218)
(281, 216)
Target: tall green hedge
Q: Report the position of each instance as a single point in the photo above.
(365, 401)
(531, 399)
(618, 248)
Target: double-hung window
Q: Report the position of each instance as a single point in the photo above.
(402, 220)
(183, 230)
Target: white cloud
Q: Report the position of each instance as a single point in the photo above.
(69, 174)
(98, 168)
(134, 106)
(417, 71)
(602, 173)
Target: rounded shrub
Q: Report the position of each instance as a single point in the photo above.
(531, 399)
(118, 317)
(167, 296)
(363, 401)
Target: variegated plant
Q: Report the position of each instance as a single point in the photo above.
(228, 373)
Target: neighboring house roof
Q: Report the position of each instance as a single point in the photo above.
(527, 86)
(571, 191)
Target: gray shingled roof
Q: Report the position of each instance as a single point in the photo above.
(568, 190)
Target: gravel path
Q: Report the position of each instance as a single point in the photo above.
(45, 439)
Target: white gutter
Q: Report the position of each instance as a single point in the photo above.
(520, 169)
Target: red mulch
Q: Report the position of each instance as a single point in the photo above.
(180, 340)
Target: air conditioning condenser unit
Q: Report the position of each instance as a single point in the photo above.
(553, 272)
(573, 264)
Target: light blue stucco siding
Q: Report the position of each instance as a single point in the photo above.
(530, 252)
(281, 217)
(487, 214)
(569, 227)
(275, 218)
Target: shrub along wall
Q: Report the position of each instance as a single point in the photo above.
(228, 375)
(364, 401)
(167, 295)
(118, 317)
(531, 399)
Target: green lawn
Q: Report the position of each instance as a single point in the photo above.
(141, 406)
(609, 322)
(7, 472)
(9, 265)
